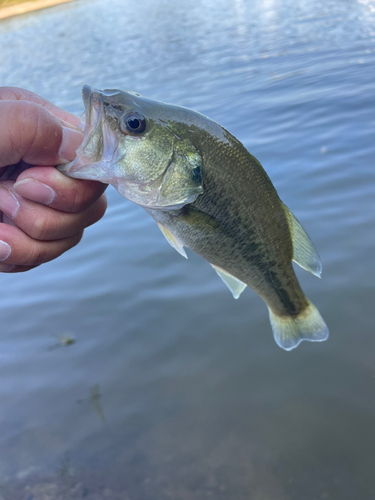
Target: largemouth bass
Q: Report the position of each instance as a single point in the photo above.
(207, 193)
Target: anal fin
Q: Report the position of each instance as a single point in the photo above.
(172, 240)
(304, 253)
(235, 285)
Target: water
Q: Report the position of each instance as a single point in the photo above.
(173, 390)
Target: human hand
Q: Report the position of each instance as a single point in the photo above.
(42, 212)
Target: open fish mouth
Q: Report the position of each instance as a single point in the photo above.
(99, 145)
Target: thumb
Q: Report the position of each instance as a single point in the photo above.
(31, 133)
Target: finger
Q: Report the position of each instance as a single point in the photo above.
(17, 94)
(17, 248)
(9, 268)
(50, 187)
(31, 133)
(45, 223)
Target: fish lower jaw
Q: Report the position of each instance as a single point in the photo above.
(78, 170)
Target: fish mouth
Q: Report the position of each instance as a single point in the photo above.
(99, 143)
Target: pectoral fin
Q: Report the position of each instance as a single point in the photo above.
(172, 240)
(235, 286)
(304, 253)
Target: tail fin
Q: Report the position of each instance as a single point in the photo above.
(289, 331)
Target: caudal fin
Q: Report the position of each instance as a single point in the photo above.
(289, 331)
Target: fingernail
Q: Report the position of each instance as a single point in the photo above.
(35, 191)
(5, 268)
(71, 141)
(8, 202)
(5, 250)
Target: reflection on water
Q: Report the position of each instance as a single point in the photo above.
(173, 390)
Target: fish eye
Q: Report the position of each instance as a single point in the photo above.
(134, 123)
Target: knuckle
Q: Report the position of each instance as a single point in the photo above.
(40, 229)
(36, 255)
(24, 130)
(41, 252)
(33, 132)
(8, 94)
(28, 121)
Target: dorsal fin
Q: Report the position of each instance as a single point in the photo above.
(235, 286)
(172, 240)
(304, 253)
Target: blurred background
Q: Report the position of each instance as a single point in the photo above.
(172, 389)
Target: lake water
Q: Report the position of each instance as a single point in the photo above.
(173, 390)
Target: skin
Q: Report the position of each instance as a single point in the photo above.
(42, 212)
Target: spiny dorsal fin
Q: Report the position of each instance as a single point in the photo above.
(304, 253)
(235, 286)
(172, 240)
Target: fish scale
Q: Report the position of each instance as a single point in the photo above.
(207, 193)
(239, 246)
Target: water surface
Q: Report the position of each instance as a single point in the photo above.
(173, 390)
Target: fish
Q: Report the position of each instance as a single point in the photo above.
(207, 193)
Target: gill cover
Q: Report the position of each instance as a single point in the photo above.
(150, 165)
(182, 181)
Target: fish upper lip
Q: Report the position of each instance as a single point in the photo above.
(90, 122)
(91, 99)
(86, 96)
(93, 110)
